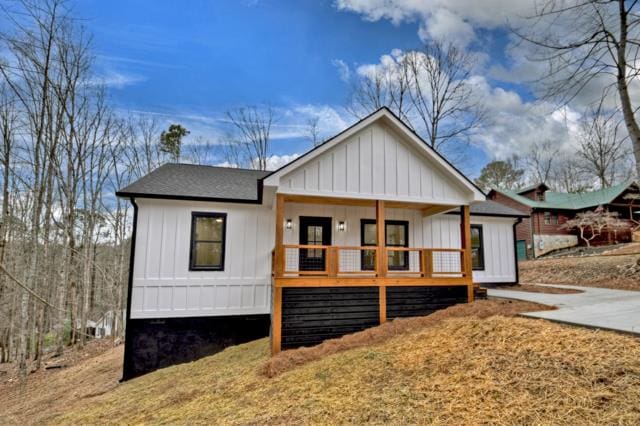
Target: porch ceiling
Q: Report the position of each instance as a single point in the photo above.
(427, 209)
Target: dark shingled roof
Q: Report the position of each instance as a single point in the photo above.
(195, 182)
(491, 208)
(209, 183)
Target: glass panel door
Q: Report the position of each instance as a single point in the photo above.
(315, 231)
(396, 235)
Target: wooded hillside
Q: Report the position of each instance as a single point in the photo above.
(63, 235)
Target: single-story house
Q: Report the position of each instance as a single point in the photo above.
(542, 231)
(369, 226)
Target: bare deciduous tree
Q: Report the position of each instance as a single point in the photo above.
(253, 133)
(429, 89)
(588, 43)
(592, 224)
(143, 152)
(540, 160)
(602, 146)
(202, 151)
(441, 94)
(313, 131)
(63, 154)
(388, 84)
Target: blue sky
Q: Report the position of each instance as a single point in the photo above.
(188, 62)
(223, 53)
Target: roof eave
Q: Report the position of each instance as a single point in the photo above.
(124, 194)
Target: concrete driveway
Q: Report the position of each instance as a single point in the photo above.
(617, 310)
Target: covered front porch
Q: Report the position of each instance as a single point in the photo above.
(334, 258)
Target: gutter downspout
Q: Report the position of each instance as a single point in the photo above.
(127, 367)
(515, 250)
(534, 218)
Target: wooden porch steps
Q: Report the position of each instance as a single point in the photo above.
(479, 293)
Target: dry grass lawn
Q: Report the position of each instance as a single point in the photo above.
(464, 370)
(617, 272)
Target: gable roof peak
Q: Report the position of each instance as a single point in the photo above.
(382, 113)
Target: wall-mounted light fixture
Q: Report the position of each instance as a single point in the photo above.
(288, 224)
(342, 226)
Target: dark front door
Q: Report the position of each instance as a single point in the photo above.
(314, 231)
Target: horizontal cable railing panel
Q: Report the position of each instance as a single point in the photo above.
(362, 261)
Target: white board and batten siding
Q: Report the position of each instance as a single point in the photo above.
(498, 244)
(439, 231)
(375, 159)
(163, 285)
(499, 250)
(375, 163)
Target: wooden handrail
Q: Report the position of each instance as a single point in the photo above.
(314, 246)
(357, 247)
(305, 246)
(393, 248)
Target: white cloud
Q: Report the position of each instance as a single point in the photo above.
(514, 126)
(115, 79)
(444, 24)
(293, 121)
(442, 18)
(343, 69)
(274, 162)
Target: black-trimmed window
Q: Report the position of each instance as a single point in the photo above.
(396, 235)
(477, 248)
(207, 241)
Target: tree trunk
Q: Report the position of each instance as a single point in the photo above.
(623, 90)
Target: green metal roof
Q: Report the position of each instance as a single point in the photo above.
(569, 201)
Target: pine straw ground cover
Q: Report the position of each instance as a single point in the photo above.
(617, 272)
(287, 360)
(463, 370)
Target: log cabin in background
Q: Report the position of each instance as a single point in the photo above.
(542, 231)
(369, 226)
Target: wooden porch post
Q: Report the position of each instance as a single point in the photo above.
(381, 259)
(279, 235)
(276, 317)
(465, 235)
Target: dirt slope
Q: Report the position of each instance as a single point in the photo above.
(460, 371)
(49, 393)
(617, 272)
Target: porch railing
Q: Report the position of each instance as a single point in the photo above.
(353, 261)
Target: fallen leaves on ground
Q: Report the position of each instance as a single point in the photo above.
(616, 272)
